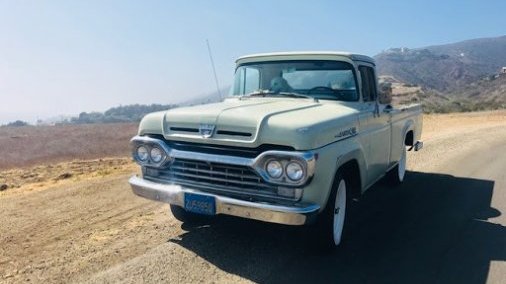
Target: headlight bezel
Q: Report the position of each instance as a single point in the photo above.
(305, 159)
(150, 144)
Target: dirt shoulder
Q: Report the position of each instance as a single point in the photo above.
(444, 125)
(74, 229)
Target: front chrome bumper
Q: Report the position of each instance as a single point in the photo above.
(268, 212)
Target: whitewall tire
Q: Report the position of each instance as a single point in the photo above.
(332, 222)
(401, 167)
(396, 175)
(339, 212)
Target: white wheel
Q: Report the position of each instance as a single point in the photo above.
(401, 168)
(339, 212)
(396, 175)
(334, 221)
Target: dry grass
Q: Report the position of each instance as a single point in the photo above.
(37, 157)
(33, 145)
(14, 181)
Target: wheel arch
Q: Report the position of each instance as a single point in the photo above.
(352, 175)
(409, 139)
(408, 133)
(353, 168)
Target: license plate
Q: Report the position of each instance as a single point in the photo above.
(201, 204)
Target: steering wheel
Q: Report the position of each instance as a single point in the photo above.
(321, 88)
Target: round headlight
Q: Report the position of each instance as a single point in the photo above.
(274, 169)
(142, 154)
(294, 171)
(156, 154)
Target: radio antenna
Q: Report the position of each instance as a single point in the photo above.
(214, 69)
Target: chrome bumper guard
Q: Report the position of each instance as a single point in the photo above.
(268, 212)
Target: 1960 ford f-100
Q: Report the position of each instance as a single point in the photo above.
(300, 135)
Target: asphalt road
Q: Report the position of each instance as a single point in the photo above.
(445, 224)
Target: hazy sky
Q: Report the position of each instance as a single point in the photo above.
(64, 57)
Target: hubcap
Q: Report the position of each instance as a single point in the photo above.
(339, 211)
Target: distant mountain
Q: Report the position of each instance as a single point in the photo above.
(208, 98)
(485, 94)
(444, 68)
(488, 93)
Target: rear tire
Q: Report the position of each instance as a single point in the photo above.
(396, 175)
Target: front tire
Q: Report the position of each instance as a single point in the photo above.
(339, 212)
(184, 216)
(332, 222)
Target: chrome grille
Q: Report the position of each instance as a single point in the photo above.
(216, 177)
(220, 174)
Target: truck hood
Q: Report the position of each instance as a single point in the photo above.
(250, 122)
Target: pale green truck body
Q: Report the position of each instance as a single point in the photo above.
(366, 136)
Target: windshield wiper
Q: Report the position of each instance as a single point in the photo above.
(296, 95)
(264, 93)
(258, 93)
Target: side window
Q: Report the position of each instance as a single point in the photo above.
(368, 83)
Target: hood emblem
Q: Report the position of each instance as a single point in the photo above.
(206, 130)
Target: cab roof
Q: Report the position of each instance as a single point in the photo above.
(302, 55)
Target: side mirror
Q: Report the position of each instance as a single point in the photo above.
(385, 93)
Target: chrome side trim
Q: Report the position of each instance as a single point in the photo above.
(297, 214)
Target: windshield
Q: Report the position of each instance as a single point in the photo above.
(331, 80)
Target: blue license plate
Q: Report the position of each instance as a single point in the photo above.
(201, 204)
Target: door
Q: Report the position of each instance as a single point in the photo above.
(375, 126)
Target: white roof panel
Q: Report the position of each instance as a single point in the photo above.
(299, 54)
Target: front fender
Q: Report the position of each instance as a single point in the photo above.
(330, 158)
(152, 123)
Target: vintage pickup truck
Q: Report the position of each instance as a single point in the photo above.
(300, 136)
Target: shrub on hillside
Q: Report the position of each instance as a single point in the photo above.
(17, 123)
(128, 113)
